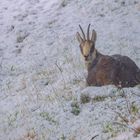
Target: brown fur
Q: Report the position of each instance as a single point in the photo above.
(105, 70)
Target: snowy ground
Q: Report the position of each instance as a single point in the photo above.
(42, 76)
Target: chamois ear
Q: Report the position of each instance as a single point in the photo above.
(94, 36)
(79, 38)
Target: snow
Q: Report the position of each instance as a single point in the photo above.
(42, 72)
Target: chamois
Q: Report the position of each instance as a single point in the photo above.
(116, 69)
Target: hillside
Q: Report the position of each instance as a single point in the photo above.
(43, 95)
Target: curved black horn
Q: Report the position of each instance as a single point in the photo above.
(88, 32)
(82, 32)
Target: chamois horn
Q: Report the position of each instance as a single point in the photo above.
(88, 38)
(84, 38)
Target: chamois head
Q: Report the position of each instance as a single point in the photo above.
(87, 44)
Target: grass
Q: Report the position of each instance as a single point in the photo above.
(12, 118)
(20, 38)
(134, 109)
(109, 128)
(75, 108)
(85, 98)
(63, 3)
(48, 117)
(75, 111)
(63, 137)
(98, 99)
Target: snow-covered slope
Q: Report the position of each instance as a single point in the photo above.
(42, 75)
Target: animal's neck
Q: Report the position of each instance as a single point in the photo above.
(95, 57)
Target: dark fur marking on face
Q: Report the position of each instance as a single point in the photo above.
(92, 49)
(81, 49)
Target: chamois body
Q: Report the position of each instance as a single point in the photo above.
(106, 70)
(116, 69)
